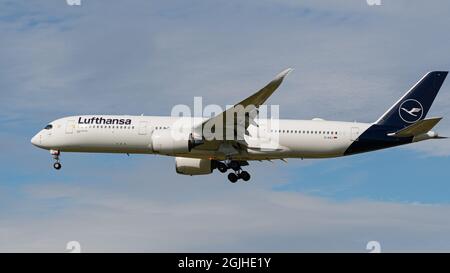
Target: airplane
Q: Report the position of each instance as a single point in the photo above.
(403, 123)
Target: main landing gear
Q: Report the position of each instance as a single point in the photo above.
(233, 177)
(238, 173)
(55, 153)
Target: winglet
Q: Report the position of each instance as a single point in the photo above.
(283, 74)
(262, 95)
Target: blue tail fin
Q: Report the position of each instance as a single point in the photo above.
(414, 105)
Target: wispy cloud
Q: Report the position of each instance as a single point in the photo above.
(228, 220)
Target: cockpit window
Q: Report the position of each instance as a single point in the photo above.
(48, 127)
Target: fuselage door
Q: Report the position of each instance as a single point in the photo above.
(143, 127)
(70, 126)
(354, 134)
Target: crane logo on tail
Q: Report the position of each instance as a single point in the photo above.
(410, 111)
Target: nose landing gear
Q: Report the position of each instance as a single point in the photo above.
(55, 153)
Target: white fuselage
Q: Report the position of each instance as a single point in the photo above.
(296, 138)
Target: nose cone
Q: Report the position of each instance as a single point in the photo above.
(36, 140)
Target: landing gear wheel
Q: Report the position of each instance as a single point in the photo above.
(234, 165)
(232, 177)
(245, 176)
(222, 167)
(57, 165)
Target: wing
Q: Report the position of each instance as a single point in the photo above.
(227, 129)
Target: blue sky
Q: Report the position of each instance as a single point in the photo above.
(351, 60)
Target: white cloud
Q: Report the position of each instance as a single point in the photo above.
(146, 56)
(237, 218)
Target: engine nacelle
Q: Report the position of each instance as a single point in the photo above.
(193, 166)
(163, 142)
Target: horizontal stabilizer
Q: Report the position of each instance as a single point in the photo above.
(420, 127)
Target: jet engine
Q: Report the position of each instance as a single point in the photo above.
(163, 142)
(193, 166)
